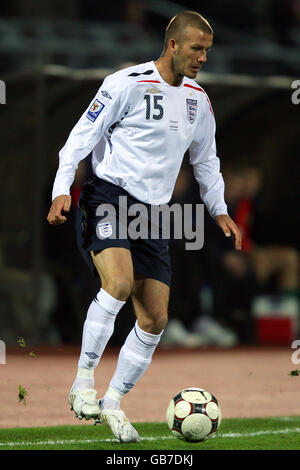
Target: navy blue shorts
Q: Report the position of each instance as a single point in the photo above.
(150, 257)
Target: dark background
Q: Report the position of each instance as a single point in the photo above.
(45, 287)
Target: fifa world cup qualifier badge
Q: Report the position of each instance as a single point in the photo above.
(191, 108)
(95, 110)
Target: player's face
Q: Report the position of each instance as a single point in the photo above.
(191, 52)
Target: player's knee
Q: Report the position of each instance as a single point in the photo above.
(162, 322)
(120, 287)
(156, 323)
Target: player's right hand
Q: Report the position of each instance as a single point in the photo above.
(59, 204)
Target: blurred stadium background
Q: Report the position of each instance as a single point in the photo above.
(53, 58)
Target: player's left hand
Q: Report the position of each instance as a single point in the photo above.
(230, 228)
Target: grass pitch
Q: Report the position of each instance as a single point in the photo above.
(282, 433)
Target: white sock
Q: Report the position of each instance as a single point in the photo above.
(97, 330)
(134, 358)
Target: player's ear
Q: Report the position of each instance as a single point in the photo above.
(173, 45)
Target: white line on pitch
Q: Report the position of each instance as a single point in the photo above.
(148, 438)
(78, 441)
(259, 433)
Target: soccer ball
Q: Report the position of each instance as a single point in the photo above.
(194, 415)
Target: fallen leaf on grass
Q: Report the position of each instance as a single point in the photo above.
(22, 394)
(21, 342)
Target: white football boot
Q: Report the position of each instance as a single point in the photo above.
(119, 424)
(84, 403)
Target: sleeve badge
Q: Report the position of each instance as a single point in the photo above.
(95, 110)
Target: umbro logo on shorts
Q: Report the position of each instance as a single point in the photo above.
(92, 355)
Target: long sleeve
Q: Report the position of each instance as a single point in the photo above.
(206, 164)
(107, 108)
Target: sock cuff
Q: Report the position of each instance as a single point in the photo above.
(114, 394)
(148, 339)
(109, 303)
(83, 373)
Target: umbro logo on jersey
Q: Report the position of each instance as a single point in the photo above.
(92, 355)
(153, 90)
(106, 94)
(191, 108)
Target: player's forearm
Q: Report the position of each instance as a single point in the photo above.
(63, 180)
(78, 146)
(69, 158)
(214, 202)
(211, 185)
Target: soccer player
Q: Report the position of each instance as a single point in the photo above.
(138, 127)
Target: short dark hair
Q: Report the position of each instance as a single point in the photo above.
(181, 21)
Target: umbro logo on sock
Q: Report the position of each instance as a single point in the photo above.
(128, 385)
(92, 355)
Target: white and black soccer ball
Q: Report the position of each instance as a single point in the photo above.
(194, 415)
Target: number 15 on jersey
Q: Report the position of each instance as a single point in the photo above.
(154, 109)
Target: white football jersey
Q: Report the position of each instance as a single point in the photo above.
(138, 128)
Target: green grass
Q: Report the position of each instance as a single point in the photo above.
(234, 434)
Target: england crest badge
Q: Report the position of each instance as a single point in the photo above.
(191, 108)
(104, 230)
